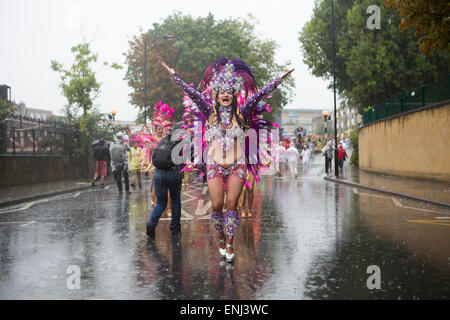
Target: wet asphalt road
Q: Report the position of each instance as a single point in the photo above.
(307, 239)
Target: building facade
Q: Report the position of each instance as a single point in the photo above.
(38, 114)
(347, 119)
(292, 119)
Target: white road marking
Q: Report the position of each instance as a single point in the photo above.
(28, 205)
(202, 209)
(17, 222)
(184, 213)
(57, 197)
(27, 224)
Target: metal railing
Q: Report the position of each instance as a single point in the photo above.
(22, 136)
(429, 94)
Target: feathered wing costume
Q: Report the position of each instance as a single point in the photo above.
(235, 75)
(163, 116)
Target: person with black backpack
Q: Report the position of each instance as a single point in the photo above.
(167, 178)
(119, 162)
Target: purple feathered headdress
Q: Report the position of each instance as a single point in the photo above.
(215, 76)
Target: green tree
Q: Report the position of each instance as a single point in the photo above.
(320, 127)
(429, 19)
(5, 109)
(80, 87)
(316, 43)
(354, 160)
(195, 43)
(371, 65)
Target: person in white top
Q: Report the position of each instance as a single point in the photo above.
(311, 148)
(292, 156)
(281, 159)
(305, 157)
(347, 143)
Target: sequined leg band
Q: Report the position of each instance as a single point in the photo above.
(217, 221)
(231, 221)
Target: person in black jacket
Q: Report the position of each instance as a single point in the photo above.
(167, 178)
(101, 155)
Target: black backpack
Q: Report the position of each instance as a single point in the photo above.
(162, 157)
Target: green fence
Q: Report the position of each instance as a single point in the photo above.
(425, 95)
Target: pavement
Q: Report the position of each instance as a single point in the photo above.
(429, 191)
(23, 193)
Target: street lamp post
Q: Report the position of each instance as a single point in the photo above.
(336, 167)
(112, 117)
(113, 113)
(325, 115)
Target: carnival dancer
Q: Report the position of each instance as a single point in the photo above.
(247, 195)
(145, 139)
(230, 104)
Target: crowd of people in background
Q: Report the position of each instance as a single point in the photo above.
(126, 160)
(289, 153)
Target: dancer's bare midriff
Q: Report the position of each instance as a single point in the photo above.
(223, 158)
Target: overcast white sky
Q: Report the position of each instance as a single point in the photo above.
(33, 33)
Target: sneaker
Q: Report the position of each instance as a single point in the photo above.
(133, 185)
(150, 231)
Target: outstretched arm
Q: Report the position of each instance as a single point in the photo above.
(196, 96)
(247, 108)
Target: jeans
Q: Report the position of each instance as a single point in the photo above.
(341, 163)
(328, 163)
(118, 177)
(167, 181)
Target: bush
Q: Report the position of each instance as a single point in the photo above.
(354, 160)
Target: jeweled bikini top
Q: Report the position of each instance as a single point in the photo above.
(224, 135)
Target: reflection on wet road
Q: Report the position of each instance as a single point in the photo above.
(307, 239)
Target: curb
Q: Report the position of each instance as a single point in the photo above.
(45, 195)
(358, 185)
